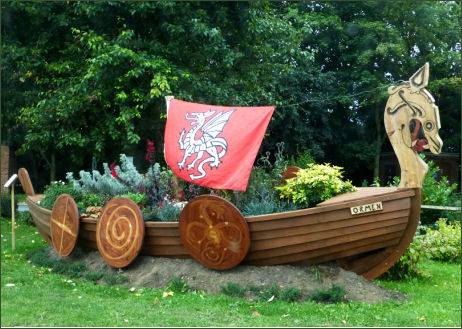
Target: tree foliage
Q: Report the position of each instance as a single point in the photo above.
(87, 79)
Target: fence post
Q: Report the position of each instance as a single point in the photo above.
(13, 222)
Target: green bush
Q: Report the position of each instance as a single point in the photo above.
(169, 212)
(233, 290)
(179, 285)
(408, 265)
(139, 198)
(443, 244)
(6, 205)
(290, 294)
(90, 200)
(24, 217)
(114, 279)
(93, 276)
(21, 197)
(335, 294)
(436, 191)
(55, 189)
(316, 183)
(302, 160)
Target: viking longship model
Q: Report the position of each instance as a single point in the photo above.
(365, 231)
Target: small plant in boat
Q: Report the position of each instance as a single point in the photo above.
(167, 211)
(55, 189)
(316, 183)
(139, 198)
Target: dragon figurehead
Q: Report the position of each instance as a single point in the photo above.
(412, 122)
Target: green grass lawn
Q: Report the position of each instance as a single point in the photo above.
(41, 298)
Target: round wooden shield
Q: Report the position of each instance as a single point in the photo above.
(64, 224)
(214, 232)
(290, 172)
(120, 232)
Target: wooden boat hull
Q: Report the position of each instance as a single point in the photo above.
(368, 243)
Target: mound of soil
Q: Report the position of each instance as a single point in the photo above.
(155, 272)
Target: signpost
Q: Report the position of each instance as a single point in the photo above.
(9, 183)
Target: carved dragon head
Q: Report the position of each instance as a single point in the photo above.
(416, 117)
(412, 122)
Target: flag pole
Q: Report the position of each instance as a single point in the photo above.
(175, 181)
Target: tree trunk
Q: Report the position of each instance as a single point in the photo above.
(378, 141)
(53, 167)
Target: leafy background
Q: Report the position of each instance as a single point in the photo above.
(86, 80)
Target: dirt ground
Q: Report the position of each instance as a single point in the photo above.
(154, 272)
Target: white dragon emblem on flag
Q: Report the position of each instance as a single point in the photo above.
(202, 139)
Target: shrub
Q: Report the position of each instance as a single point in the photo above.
(335, 294)
(408, 265)
(139, 198)
(93, 276)
(178, 285)
(315, 184)
(90, 200)
(55, 189)
(233, 290)
(21, 197)
(24, 217)
(436, 191)
(444, 243)
(290, 294)
(6, 205)
(168, 212)
(269, 292)
(302, 160)
(113, 279)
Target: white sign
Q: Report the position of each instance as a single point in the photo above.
(376, 206)
(10, 181)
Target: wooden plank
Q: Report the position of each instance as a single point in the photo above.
(88, 226)
(161, 231)
(379, 245)
(310, 219)
(35, 198)
(164, 251)
(26, 182)
(88, 244)
(401, 194)
(262, 235)
(162, 241)
(88, 235)
(161, 225)
(320, 236)
(361, 264)
(407, 238)
(310, 256)
(326, 243)
(440, 208)
(360, 193)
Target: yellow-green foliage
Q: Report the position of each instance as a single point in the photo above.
(314, 184)
(444, 243)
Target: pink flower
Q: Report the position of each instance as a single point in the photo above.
(150, 149)
(113, 171)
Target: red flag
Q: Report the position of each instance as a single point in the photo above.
(214, 146)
